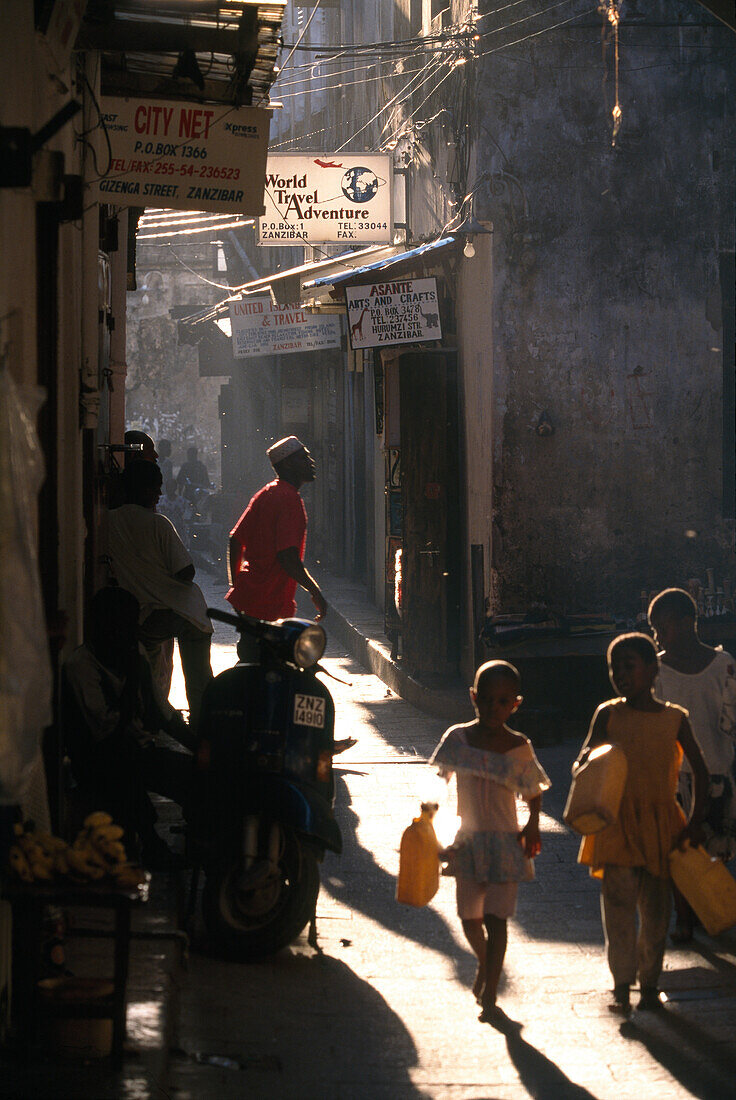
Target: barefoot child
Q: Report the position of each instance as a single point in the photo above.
(490, 856)
(631, 855)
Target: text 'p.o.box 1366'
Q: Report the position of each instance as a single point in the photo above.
(182, 156)
(401, 312)
(260, 327)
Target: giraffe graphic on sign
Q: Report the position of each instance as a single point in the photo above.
(357, 328)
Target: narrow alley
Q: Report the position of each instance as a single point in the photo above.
(384, 1008)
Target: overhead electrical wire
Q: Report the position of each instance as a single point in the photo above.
(210, 282)
(544, 30)
(524, 19)
(348, 84)
(405, 123)
(435, 67)
(340, 72)
(285, 65)
(513, 4)
(401, 93)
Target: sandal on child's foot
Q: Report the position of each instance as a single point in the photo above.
(651, 999)
(621, 1002)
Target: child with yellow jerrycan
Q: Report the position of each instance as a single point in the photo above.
(631, 854)
(491, 854)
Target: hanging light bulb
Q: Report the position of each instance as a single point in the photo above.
(468, 230)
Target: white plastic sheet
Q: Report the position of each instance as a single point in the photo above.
(25, 666)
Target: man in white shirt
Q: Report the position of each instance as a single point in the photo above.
(150, 560)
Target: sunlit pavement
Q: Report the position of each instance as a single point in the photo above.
(386, 1010)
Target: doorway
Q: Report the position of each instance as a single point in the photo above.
(431, 505)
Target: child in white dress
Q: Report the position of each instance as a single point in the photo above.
(490, 855)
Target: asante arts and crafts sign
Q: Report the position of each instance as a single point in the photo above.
(183, 156)
(327, 198)
(404, 311)
(260, 327)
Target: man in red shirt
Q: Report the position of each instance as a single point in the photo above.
(267, 543)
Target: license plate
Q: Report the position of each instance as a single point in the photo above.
(309, 710)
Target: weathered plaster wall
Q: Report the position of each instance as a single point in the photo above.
(606, 311)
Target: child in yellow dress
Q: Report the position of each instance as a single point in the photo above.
(631, 855)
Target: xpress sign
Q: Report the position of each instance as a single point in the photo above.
(327, 198)
(184, 156)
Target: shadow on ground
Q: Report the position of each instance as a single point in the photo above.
(298, 1025)
(540, 1076)
(686, 1050)
(365, 886)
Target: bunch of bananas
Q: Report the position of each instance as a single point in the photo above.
(97, 853)
(34, 855)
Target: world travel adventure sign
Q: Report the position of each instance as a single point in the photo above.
(260, 327)
(182, 156)
(327, 198)
(404, 311)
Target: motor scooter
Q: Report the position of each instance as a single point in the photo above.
(261, 817)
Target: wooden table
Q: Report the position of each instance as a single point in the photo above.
(28, 901)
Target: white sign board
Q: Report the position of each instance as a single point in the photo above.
(260, 327)
(183, 156)
(404, 311)
(327, 198)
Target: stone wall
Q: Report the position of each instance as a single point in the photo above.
(608, 356)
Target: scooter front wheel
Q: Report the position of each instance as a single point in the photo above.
(251, 915)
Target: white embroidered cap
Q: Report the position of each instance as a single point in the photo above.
(285, 447)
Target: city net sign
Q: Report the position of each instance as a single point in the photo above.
(182, 156)
(327, 198)
(260, 327)
(401, 312)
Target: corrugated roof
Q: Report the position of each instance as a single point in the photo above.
(220, 50)
(295, 284)
(287, 286)
(407, 257)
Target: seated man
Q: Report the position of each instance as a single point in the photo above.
(150, 560)
(111, 720)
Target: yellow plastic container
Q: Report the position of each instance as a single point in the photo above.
(77, 1037)
(596, 791)
(707, 886)
(419, 861)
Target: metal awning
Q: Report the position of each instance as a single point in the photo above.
(287, 287)
(396, 264)
(315, 281)
(223, 51)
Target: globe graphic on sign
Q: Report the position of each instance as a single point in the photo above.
(359, 184)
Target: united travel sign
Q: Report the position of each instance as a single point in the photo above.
(327, 198)
(183, 156)
(404, 311)
(260, 327)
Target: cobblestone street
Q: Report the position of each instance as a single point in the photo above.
(386, 1009)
